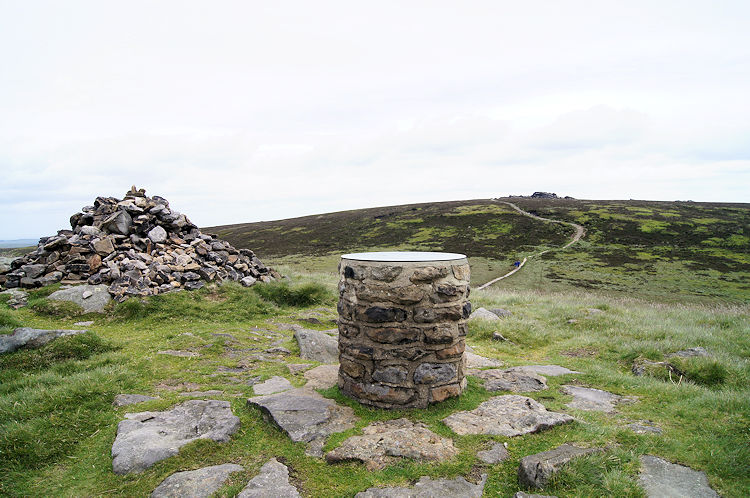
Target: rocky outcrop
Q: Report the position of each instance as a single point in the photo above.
(137, 246)
(28, 338)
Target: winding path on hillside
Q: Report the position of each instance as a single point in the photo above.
(579, 233)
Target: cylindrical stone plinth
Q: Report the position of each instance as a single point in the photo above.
(402, 325)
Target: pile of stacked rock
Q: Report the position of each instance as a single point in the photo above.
(139, 247)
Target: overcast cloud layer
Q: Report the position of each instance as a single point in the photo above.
(245, 111)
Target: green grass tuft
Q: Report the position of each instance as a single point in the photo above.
(301, 295)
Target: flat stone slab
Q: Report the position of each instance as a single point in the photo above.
(145, 438)
(317, 346)
(590, 399)
(548, 370)
(273, 385)
(535, 470)
(200, 483)
(94, 302)
(501, 312)
(474, 360)
(28, 338)
(662, 479)
(298, 367)
(509, 415)
(483, 314)
(87, 323)
(382, 443)
(511, 380)
(305, 416)
(644, 427)
(430, 488)
(202, 394)
(498, 453)
(272, 481)
(322, 377)
(690, 353)
(179, 354)
(131, 399)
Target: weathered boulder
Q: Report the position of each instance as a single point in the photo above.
(272, 481)
(28, 338)
(382, 443)
(97, 297)
(535, 470)
(483, 314)
(662, 479)
(322, 377)
(427, 487)
(200, 483)
(317, 346)
(305, 416)
(145, 438)
(509, 415)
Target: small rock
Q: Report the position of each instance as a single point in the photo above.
(502, 313)
(180, 354)
(473, 360)
(157, 235)
(498, 453)
(145, 438)
(427, 487)
(273, 385)
(86, 294)
(535, 470)
(383, 442)
(509, 415)
(200, 483)
(510, 380)
(548, 370)
(84, 324)
(94, 303)
(483, 314)
(28, 338)
(130, 399)
(297, 367)
(18, 298)
(278, 350)
(660, 478)
(305, 416)
(322, 377)
(590, 399)
(272, 481)
(593, 311)
(572, 321)
(317, 346)
(497, 336)
(248, 281)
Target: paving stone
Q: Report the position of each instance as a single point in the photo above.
(473, 360)
(534, 471)
(322, 377)
(145, 438)
(200, 483)
(382, 443)
(509, 415)
(272, 481)
(298, 367)
(131, 399)
(179, 354)
(28, 338)
(498, 453)
(430, 488)
(511, 380)
(273, 385)
(317, 346)
(305, 416)
(94, 303)
(590, 399)
(662, 479)
(548, 370)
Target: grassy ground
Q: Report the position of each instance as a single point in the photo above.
(681, 251)
(57, 422)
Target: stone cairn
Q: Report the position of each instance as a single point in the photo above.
(401, 331)
(139, 247)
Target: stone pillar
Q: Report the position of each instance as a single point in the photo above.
(402, 326)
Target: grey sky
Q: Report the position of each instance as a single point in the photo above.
(244, 111)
